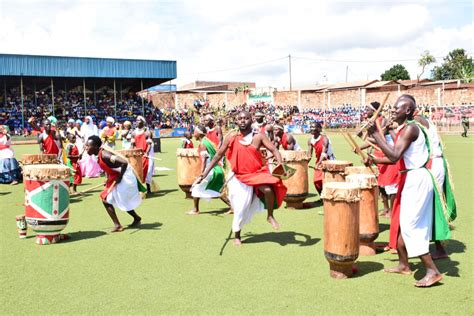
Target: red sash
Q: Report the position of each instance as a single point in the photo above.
(318, 173)
(213, 137)
(112, 176)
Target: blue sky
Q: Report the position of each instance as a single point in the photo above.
(244, 40)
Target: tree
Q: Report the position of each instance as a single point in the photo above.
(397, 72)
(425, 60)
(456, 65)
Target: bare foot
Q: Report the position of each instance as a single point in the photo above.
(229, 212)
(136, 222)
(273, 222)
(237, 242)
(14, 182)
(117, 229)
(192, 212)
(429, 280)
(399, 270)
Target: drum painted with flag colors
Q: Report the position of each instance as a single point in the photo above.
(297, 184)
(46, 200)
(341, 227)
(188, 168)
(21, 226)
(368, 217)
(360, 170)
(334, 170)
(134, 157)
(39, 159)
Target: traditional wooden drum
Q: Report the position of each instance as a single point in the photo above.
(39, 159)
(188, 168)
(46, 200)
(134, 157)
(297, 184)
(368, 217)
(341, 227)
(359, 170)
(334, 170)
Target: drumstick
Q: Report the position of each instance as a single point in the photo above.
(358, 150)
(92, 188)
(374, 116)
(154, 158)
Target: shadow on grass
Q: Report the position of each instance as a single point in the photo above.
(282, 238)
(221, 211)
(383, 227)
(82, 235)
(160, 193)
(4, 193)
(146, 226)
(366, 267)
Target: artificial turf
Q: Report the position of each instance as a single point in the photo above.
(173, 264)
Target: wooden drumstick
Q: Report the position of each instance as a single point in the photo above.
(358, 150)
(91, 188)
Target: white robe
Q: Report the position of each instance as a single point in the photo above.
(416, 205)
(125, 195)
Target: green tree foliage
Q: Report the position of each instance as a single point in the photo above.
(397, 72)
(456, 65)
(425, 59)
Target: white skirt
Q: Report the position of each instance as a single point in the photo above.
(125, 195)
(244, 202)
(200, 191)
(416, 212)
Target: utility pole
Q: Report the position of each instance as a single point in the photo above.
(347, 70)
(289, 64)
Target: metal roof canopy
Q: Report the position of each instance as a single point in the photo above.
(85, 67)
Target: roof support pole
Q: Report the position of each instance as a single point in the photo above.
(95, 96)
(121, 89)
(5, 93)
(115, 101)
(84, 91)
(22, 104)
(35, 92)
(52, 94)
(143, 101)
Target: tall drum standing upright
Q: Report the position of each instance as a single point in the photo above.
(341, 227)
(334, 170)
(359, 170)
(297, 184)
(188, 168)
(46, 200)
(369, 220)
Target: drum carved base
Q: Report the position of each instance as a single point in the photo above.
(367, 248)
(340, 270)
(187, 191)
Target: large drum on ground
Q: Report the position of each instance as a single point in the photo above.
(359, 170)
(341, 227)
(39, 159)
(188, 168)
(297, 184)
(368, 217)
(334, 170)
(46, 200)
(134, 157)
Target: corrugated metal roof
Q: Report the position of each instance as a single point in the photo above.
(379, 84)
(85, 67)
(348, 85)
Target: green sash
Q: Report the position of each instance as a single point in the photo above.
(441, 217)
(217, 181)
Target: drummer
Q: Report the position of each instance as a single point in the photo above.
(262, 126)
(49, 141)
(214, 132)
(109, 133)
(285, 140)
(121, 187)
(322, 147)
(249, 183)
(141, 138)
(212, 185)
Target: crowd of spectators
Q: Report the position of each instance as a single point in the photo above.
(99, 105)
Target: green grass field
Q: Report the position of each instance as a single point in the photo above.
(172, 264)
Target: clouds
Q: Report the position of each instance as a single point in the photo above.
(214, 35)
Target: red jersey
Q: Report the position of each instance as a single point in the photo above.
(187, 143)
(284, 141)
(318, 145)
(141, 143)
(49, 144)
(73, 151)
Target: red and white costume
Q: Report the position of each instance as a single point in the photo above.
(213, 136)
(248, 173)
(50, 145)
(318, 145)
(74, 151)
(145, 144)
